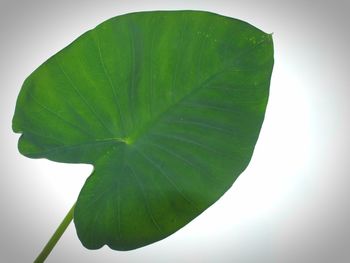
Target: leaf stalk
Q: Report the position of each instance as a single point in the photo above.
(56, 236)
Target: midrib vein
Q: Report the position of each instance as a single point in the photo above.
(202, 84)
(84, 144)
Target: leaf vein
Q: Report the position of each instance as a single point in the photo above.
(183, 139)
(83, 98)
(201, 124)
(59, 117)
(149, 210)
(171, 182)
(113, 88)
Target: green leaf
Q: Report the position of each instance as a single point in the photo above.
(167, 106)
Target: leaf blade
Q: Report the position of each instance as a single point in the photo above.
(168, 118)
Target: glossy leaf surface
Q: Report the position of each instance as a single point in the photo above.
(167, 106)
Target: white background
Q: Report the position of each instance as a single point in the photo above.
(292, 204)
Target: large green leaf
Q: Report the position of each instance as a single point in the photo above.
(167, 106)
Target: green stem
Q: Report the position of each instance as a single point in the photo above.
(55, 237)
